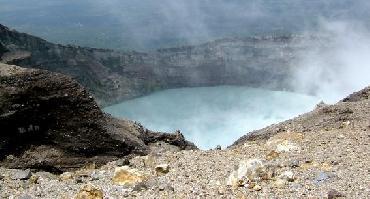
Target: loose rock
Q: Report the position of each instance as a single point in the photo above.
(162, 169)
(249, 170)
(90, 192)
(332, 194)
(287, 176)
(22, 175)
(127, 176)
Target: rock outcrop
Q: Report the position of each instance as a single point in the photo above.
(48, 120)
(113, 76)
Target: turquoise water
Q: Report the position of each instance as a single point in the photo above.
(211, 116)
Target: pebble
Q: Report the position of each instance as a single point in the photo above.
(257, 188)
(22, 175)
(287, 146)
(140, 186)
(165, 187)
(294, 164)
(332, 194)
(248, 170)
(287, 176)
(279, 183)
(25, 197)
(162, 169)
(321, 177)
(122, 162)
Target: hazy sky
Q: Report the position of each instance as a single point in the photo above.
(132, 24)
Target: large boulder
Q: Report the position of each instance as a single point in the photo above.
(49, 121)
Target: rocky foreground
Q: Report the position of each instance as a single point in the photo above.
(321, 154)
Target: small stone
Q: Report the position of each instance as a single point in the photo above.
(287, 176)
(272, 155)
(321, 177)
(127, 176)
(162, 169)
(95, 176)
(334, 162)
(166, 187)
(141, 186)
(26, 196)
(257, 188)
(294, 164)
(22, 175)
(252, 170)
(286, 146)
(90, 192)
(295, 186)
(34, 179)
(79, 180)
(218, 147)
(279, 183)
(66, 176)
(332, 194)
(122, 162)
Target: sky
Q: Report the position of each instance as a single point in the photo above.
(151, 24)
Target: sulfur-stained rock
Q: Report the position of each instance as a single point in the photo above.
(90, 192)
(272, 155)
(66, 176)
(127, 176)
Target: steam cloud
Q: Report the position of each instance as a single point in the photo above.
(338, 65)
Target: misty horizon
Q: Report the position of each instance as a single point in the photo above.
(130, 25)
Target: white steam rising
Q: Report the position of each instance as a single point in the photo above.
(338, 65)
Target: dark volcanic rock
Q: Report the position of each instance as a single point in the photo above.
(358, 96)
(49, 121)
(2, 50)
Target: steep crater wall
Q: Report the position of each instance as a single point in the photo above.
(113, 76)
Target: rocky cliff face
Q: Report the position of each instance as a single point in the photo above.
(49, 121)
(113, 76)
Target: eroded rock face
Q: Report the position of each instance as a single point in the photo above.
(115, 76)
(49, 121)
